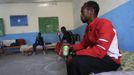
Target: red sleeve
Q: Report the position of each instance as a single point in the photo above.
(81, 45)
(106, 35)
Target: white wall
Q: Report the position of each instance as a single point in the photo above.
(63, 10)
(105, 6)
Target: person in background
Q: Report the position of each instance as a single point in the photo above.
(98, 51)
(39, 41)
(67, 36)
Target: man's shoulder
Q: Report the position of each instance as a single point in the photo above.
(36, 37)
(104, 20)
(69, 32)
(41, 37)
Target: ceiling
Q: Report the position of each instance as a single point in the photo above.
(30, 1)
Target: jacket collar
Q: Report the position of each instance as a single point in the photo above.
(93, 22)
(90, 25)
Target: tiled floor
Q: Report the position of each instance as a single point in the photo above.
(17, 64)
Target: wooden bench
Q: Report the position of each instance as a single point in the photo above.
(28, 49)
(13, 45)
(9, 47)
(5, 48)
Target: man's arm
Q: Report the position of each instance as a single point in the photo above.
(36, 40)
(62, 39)
(71, 35)
(83, 44)
(42, 40)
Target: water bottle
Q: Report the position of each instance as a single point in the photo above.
(65, 51)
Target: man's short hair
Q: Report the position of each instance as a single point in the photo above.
(63, 27)
(91, 4)
(39, 33)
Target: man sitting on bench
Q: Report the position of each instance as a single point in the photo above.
(39, 41)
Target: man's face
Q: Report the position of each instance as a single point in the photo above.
(84, 15)
(63, 30)
(39, 34)
(83, 19)
(87, 14)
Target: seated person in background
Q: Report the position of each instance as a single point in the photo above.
(39, 41)
(67, 35)
(77, 38)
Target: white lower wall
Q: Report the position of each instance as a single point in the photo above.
(63, 10)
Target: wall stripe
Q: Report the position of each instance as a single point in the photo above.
(30, 37)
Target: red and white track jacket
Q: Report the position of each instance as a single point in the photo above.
(100, 39)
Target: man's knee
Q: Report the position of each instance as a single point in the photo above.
(82, 62)
(78, 64)
(74, 61)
